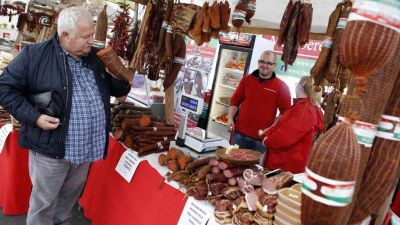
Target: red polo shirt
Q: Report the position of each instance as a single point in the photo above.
(258, 103)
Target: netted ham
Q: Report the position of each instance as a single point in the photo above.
(239, 14)
(386, 149)
(330, 177)
(367, 44)
(383, 92)
(250, 10)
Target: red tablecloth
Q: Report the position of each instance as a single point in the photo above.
(108, 199)
(15, 184)
(396, 204)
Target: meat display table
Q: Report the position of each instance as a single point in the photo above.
(146, 200)
(107, 198)
(15, 184)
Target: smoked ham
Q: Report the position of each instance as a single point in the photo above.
(225, 13)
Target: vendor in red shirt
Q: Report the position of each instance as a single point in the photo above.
(289, 140)
(257, 98)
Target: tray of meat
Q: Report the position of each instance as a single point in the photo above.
(239, 156)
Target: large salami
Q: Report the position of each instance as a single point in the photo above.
(330, 177)
(368, 39)
(386, 149)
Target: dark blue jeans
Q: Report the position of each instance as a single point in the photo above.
(247, 142)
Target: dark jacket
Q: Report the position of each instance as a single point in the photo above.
(44, 67)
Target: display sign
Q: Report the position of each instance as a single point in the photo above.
(233, 38)
(196, 212)
(191, 103)
(128, 164)
(4, 132)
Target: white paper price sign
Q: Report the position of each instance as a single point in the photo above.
(196, 212)
(4, 132)
(128, 164)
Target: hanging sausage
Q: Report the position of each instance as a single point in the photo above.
(368, 39)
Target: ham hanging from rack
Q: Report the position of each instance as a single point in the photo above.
(304, 23)
(290, 44)
(284, 23)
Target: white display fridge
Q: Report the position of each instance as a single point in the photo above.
(232, 64)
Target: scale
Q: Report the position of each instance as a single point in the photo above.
(196, 138)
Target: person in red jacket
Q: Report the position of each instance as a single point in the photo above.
(289, 140)
(256, 99)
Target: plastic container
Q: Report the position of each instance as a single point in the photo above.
(296, 187)
(285, 219)
(280, 221)
(282, 208)
(290, 198)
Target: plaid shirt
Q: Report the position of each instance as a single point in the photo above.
(86, 136)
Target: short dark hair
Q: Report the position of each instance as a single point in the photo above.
(269, 52)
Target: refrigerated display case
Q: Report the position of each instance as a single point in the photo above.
(232, 64)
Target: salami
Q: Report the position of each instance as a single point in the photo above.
(290, 46)
(283, 30)
(250, 10)
(225, 12)
(239, 14)
(215, 16)
(323, 57)
(304, 23)
(334, 162)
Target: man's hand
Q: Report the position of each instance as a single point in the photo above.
(47, 122)
(230, 125)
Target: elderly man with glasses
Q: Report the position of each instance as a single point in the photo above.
(255, 103)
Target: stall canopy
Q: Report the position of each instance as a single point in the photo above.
(269, 14)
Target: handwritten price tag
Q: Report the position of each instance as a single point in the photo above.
(128, 164)
(196, 212)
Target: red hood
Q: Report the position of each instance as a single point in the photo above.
(316, 112)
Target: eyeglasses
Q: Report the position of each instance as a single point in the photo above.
(262, 62)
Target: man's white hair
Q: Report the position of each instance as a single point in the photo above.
(70, 17)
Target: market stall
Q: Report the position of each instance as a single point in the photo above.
(340, 184)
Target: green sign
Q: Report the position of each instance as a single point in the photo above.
(300, 67)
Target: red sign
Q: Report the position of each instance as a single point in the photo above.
(310, 51)
(203, 51)
(233, 38)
